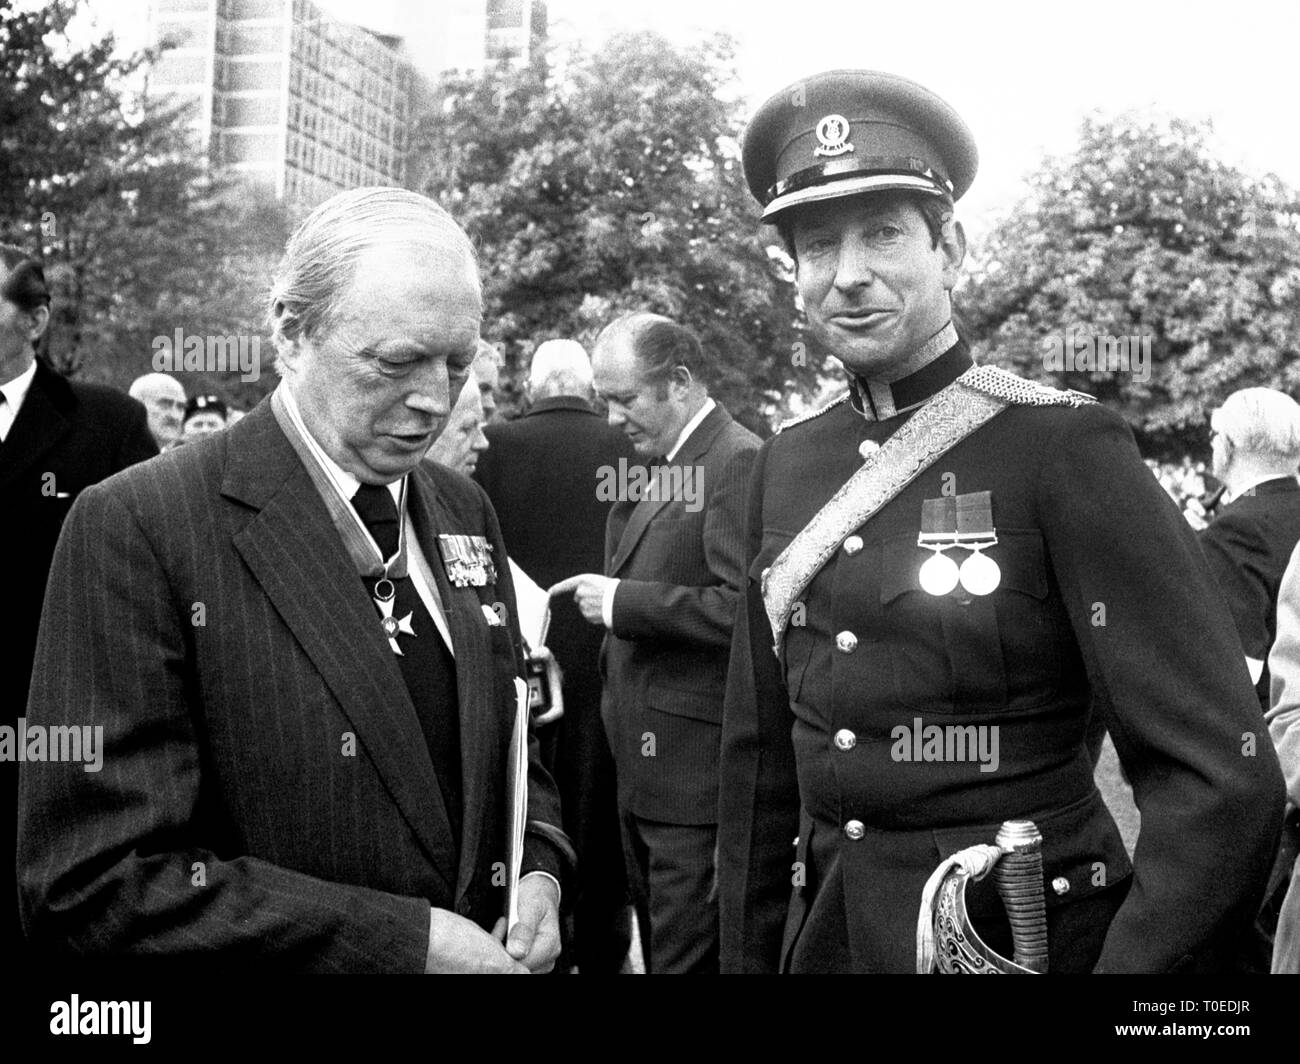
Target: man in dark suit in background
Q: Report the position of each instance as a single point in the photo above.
(290, 638)
(541, 473)
(673, 562)
(1255, 449)
(1255, 441)
(56, 438)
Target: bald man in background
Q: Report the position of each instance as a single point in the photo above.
(164, 401)
(540, 471)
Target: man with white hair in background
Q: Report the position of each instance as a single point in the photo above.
(487, 375)
(164, 400)
(1255, 442)
(461, 442)
(1255, 447)
(541, 472)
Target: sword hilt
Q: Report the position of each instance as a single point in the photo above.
(1019, 879)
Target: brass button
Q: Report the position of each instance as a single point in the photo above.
(867, 448)
(855, 829)
(852, 545)
(846, 642)
(845, 739)
(1061, 885)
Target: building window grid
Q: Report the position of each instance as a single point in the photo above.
(351, 126)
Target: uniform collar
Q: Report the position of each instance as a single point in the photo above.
(949, 358)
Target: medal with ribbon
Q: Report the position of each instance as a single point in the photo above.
(964, 521)
(365, 554)
(468, 560)
(384, 591)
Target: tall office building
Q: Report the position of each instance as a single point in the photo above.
(290, 95)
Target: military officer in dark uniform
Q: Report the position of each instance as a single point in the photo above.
(956, 567)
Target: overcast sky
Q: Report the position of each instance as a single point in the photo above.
(1022, 74)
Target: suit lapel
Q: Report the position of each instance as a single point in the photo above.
(475, 669)
(692, 449)
(643, 513)
(297, 557)
(40, 424)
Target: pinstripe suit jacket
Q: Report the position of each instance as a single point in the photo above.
(266, 795)
(680, 567)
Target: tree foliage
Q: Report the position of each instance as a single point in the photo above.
(608, 183)
(138, 238)
(1143, 232)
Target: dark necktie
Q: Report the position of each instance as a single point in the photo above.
(427, 665)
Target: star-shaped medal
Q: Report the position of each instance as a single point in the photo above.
(392, 626)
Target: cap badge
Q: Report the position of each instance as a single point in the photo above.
(833, 132)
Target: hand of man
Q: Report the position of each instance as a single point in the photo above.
(554, 680)
(535, 939)
(588, 592)
(460, 946)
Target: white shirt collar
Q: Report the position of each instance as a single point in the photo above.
(16, 390)
(691, 426)
(346, 482)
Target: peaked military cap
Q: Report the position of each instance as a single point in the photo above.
(850, 131)
(198, 404)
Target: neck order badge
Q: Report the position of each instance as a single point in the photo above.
(382, 517)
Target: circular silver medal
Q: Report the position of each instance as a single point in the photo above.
(980, 574)
(939, 574)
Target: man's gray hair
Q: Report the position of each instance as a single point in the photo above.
(321, 257)
(1262, 422)
(560, 367)
(150, 382)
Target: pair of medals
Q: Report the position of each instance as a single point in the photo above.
(959, 521)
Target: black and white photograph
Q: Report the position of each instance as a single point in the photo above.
(677, 487)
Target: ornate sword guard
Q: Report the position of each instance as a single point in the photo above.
(946, 942)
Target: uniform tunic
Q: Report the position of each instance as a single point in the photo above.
(1105, 605)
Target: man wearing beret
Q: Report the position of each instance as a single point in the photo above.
(951, 551)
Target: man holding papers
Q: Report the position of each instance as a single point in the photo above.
(301, 646)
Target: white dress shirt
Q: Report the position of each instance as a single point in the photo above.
(13, 395)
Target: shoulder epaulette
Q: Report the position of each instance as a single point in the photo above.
(1011, 388)
(792, 422)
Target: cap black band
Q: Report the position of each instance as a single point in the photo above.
(870, 164)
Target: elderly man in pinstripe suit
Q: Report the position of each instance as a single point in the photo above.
(301, 649)
(673, 549)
